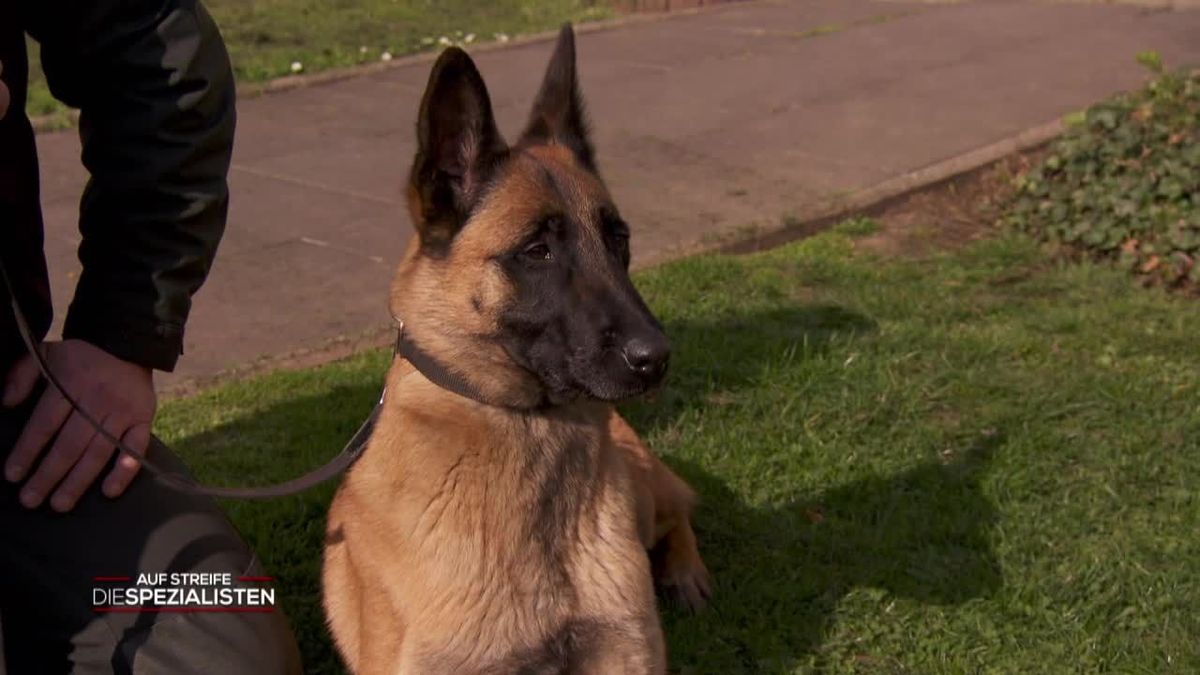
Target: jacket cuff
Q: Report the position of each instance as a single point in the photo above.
(146, 342)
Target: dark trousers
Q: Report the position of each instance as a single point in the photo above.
(48, 562)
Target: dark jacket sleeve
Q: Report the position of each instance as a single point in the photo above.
(153, 84)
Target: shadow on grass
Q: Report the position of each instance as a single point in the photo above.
(781, 571)
(737, 352)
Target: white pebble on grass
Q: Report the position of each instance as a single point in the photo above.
(444, 41)
(469, 38)
(297, 66)
(386, 56)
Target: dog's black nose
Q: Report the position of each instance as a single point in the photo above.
(647, 356)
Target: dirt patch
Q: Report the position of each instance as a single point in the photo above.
(947, 216)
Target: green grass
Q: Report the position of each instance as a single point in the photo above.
(265, 37)
(983, 462)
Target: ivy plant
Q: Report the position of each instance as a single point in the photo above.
(1123, 182)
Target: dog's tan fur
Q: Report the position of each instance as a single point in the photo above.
(473, 538)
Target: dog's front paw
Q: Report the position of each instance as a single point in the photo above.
(683, 579)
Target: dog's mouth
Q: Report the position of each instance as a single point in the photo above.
(617, 394)
(591, 378)
(569, 366)
(612, 377)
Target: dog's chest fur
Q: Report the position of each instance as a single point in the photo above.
(516, 536)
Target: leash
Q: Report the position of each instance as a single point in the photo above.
(350, 452)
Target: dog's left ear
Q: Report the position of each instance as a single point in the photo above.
(558, 113)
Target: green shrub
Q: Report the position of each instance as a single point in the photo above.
(1123, 183)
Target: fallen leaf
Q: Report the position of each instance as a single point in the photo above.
(814, 514)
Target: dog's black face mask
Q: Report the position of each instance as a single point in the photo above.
(575, 319)
(538, 216)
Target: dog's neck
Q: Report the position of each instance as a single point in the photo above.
(546, 443)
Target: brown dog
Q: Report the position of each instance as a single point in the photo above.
(500, 518)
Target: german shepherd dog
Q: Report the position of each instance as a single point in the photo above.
(500, 518)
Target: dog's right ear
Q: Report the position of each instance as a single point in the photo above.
(458, 149)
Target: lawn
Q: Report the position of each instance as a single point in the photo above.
(976, 460)
(265, 37)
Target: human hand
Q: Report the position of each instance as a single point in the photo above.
(118, 394)
(3, 94)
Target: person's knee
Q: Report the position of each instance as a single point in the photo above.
(203, 643)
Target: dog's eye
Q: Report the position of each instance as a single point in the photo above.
(538, 252)
(621, 240)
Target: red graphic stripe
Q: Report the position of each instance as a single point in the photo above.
(110, 578)
(182, 609)
(256, 578)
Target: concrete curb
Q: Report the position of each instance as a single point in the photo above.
(812, 220)
(805, 223)
(54, 121)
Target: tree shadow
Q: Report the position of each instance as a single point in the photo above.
(782, 570)
(731, 352)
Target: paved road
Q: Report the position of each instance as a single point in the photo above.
(704, 124)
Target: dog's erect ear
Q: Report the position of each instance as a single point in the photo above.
(558, 114)
(458, 149)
